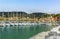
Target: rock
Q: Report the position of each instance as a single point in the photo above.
(40, 35)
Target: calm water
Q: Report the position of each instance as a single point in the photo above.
(22, 32)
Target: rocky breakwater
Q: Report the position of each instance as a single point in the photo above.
(40, 35)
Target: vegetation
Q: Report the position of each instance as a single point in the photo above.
(22, 15)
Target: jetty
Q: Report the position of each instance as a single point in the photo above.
(52, 34)
(40, 35)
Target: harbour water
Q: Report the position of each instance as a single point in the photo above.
(22, 32)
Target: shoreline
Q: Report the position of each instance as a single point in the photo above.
(43, 35)
(40, 35)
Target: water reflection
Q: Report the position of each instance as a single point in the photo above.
(22, 32)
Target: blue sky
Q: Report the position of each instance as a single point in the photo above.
(47, 6)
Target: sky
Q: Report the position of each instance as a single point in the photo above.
(47, 6)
